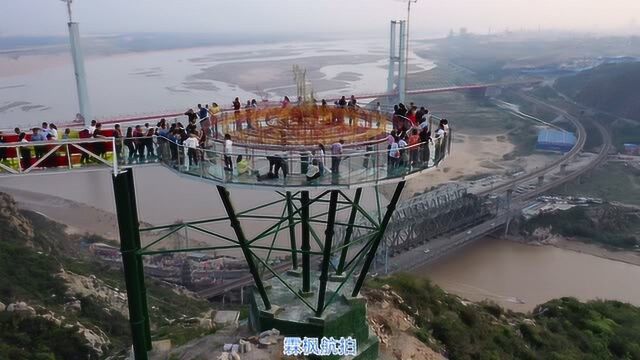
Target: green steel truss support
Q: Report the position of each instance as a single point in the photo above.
(376, 241)
(299, 213)
(292, 231)
(124, 191)
(347, 236)
(306, 246)
(326, 256)
(248, 255)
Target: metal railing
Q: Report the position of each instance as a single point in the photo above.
(33, 156)
(365, 163)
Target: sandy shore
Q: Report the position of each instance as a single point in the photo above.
(629, 257)
(472, 155)
(275, 73)
(560, 242)
(79, 218)
(26, 64)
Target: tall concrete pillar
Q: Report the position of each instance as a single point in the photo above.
(81, 77)
(402, 73)
(393, 59)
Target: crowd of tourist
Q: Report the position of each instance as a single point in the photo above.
(408, 143)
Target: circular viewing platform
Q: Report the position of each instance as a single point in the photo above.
(306, 146)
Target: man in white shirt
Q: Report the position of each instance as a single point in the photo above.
(45, 129)
(53, 131)
(228, 151)
(191, 143)
(92, 128)
(440, 142)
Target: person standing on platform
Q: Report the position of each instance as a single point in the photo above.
(336, 156)
(342, 103)
(138, 134)
(414, 151)
(3, 151)
(44, 129)
(117, 134)
(53, 130)
(25, 151)
(236, 113)
(99, 146)
(394, 157)
(191, 144)
(425, 139)
(228, 151)
(404, 152)
(214, 109)
(148, 143)
(37, 136)
(130, 144)
(320, 155)
(439, 144)
(202, 113)
(92, 127)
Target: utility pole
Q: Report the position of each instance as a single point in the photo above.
(78, 66)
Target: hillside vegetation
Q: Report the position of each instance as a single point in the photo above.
(560, 329)
(607, 225)
(612, 88)
(66, 310)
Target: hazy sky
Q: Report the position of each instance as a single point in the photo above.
(28, 17)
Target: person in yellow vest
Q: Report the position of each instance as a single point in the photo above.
(214, 110)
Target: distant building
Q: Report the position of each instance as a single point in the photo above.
(632, 149)
(555, 140)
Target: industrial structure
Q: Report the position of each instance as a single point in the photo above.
(295, 232)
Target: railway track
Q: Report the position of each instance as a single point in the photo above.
(602, 156)
(577, 148)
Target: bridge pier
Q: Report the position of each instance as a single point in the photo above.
(540, 180)
(563, 168)
(509, 198)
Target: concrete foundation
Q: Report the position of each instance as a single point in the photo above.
(345, 317)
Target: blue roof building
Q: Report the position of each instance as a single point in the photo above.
(555, 140)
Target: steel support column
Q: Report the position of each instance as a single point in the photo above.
(349, 231)
(292, 231)
(136, 234)
(242, 240)
(391, 76)
(326, 256)
(123, 188)
(306, 246)
(376, 241)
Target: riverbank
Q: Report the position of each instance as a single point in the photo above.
(521, 276)
(625, 256)
(78, 217)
